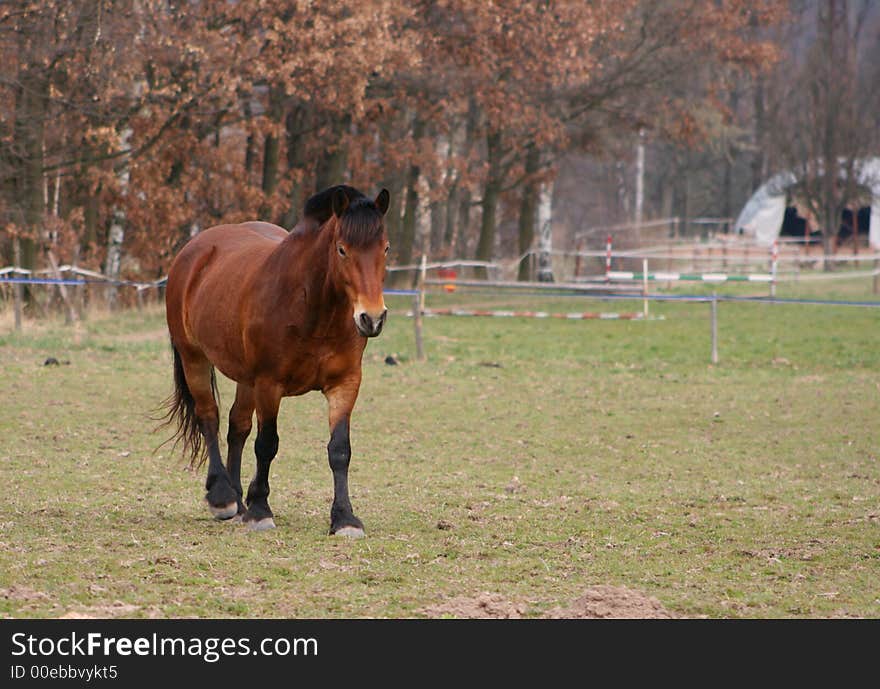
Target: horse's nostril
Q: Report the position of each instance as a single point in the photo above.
(366, 323)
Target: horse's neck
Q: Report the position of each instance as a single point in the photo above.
(301, 263)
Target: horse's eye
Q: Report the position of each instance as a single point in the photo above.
(340, 250)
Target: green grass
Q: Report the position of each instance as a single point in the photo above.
(558, 454)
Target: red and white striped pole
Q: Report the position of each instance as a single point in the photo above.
(773, 262)
(608, 259)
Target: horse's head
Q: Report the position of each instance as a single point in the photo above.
(358, 256)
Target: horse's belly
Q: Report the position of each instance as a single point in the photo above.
(228, 362)
(321, 371)
(221, 342)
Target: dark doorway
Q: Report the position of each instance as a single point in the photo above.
(795, 225)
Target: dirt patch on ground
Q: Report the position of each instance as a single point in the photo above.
(612, 602)
(101, 612)
(22, 593)
(479, 607)
(597, 602)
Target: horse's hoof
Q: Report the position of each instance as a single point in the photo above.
(353, 532)
(224, 512)
(261, 524)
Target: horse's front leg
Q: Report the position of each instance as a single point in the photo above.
(267, 399)
(240, 422)
(341, 399)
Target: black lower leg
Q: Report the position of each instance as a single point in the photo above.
(220, 493)
(235, 440)
(339, 453)
(265, 447)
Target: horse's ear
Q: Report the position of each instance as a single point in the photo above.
(339, 201)
(382, 201)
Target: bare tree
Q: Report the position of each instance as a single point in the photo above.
(821, 103)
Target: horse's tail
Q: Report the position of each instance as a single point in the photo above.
(180, 414)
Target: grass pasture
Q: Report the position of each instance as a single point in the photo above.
(528, 459)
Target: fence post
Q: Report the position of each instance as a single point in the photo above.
(69, 310)
(774, 261)
(16, 286)
(423, 273)
(417, 321)
(419, 307)
(608, 259)
(79, 291)
(714, 327)
(645, 286)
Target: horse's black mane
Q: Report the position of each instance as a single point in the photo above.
(362, 220)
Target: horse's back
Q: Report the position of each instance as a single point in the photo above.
(240, 243)
(253, 235)
(263, 229)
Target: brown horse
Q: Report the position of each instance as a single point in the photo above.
(281, 314)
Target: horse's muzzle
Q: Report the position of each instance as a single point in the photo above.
(368, 326)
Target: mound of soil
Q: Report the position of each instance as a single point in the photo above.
(612, 602)
(481, 606)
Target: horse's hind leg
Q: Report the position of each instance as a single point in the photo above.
(241, 418)
(221, 496)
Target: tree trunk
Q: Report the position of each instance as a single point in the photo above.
(640, 180)
(528, 213)
(271, 158)
(489, 204)
(464, 195)
(295, 124)
(667, 196)
(759, 157)
(450, 235)
(250, 152)
(90, 221)
(29, 135)
(446, 246)
(463, 224)
(116, 234)
(394, 185)
(828, 237)
(545, 233)
(408, 228)
(729, 151)
(393, 181)
(685, 217)
(115, 238)
(271, 154)
(727, 188)
(28, 132)
(90, 200)
(438, 227)
(330, 169)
